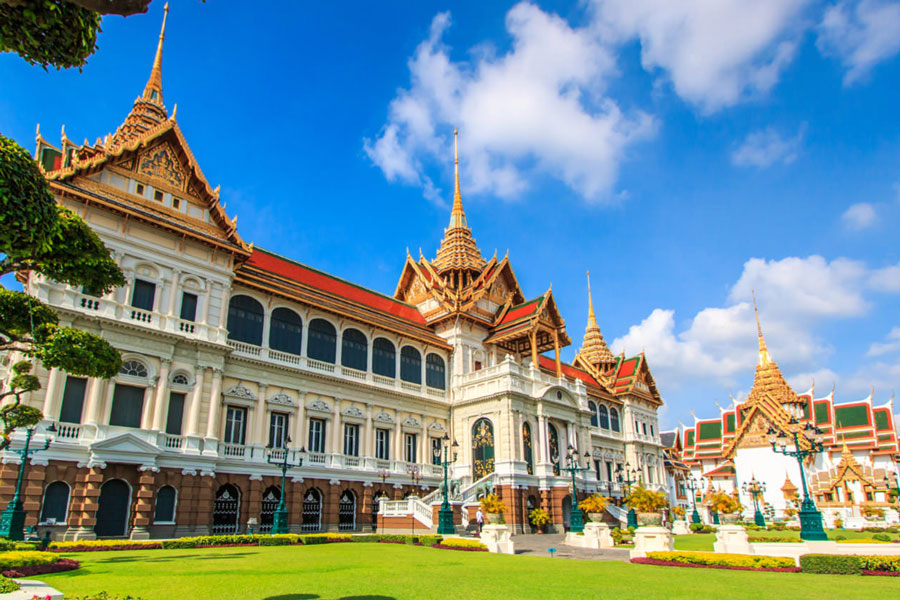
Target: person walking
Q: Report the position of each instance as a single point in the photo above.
(479, 520)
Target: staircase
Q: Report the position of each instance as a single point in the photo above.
(619, 513)
(412, 506)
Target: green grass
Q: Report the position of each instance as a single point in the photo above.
(390, 571)
(704, 541)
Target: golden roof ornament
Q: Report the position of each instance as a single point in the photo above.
(594, 350)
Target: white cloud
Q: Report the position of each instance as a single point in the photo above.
(539, 108)
(766, 147)
(891, 344)
(886, 279)
(861, 33)
(715, 52)
(822, 378)
(859, 216)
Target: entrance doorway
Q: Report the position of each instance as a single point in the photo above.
(226, 510)
(347, 511)
(112, 511)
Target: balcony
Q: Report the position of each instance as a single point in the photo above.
(510, 376)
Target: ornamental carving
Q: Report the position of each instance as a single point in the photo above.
(319, 405)
(384, 417)
(282, 399)
(436, 426)
(161, 164)
(239, 391)
(411, 422)
(353, 411)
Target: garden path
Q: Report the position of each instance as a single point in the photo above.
(539, 545)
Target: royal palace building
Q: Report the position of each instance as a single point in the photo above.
(236, 358)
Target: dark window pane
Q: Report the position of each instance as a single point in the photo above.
(73, 400)
(189, 306)
(235, 422)
(322, 341)
(614, 419)
(354, 350)
(278, 428)
(176, 413)
(165, 505)
(56, 502)
(286, 331)
(245, 320)
(410, 365)
(593, 408)
(127, 405)
(604, 417)
(384, 358)
(435, 375)
(142, 296)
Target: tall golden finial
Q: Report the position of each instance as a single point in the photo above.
(457, 215)
(153, 89)
(592, 320)
(764, 357)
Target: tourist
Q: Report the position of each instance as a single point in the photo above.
(479, 520)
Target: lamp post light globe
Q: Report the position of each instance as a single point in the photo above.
(628, 476)
(811, 526)
(12, 519)
(755, 490)
(280, 516)
(695, 485)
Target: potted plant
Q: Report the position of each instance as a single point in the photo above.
(727, 506)
(539, 518)
(594, 505)
(494, 508)
(678, 513)
(647, 504)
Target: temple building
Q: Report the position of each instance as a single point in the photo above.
(236, 357)
(850, 480)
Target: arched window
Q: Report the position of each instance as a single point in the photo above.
(134, 368)
(322, 341)
(286, 331)
(347, 511)
(604, 417)
(165, 505)
(226, 509)
(435, 372)
(527, 448)
(181, 379)
(55, 507)
(593, 408)
(482, 448)
(384, 358)
(410, 365)
(312, 511)
(553, 446)
(614, 419)
(270, 499)
(245, 320)
(354, 349)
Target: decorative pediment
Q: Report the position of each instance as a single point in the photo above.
(353, 411)
(411, 421)
(384, 417)
(320, 405)
(239, 391)
(161, 162)
(436, 426)
(281, 399)
(126, 447)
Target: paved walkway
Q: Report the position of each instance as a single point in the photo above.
(538, 545)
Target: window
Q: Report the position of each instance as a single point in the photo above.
(322, 341)
(158, 195)
(603, 414)
(644, 428)
(176, 203)
(652, 434)
(286, 331)
(410, 365)
(434, 372)
(351, 439)
(134, 368)
(477, 365)
(597, 469)
(235, 424)
(637, 426)
(73, 400)
(354, 350)
(411, 447)
(55, 507)
(614, 419)
(189, 306)
(176, 413)
(127, 406)
(165, 505)
(316, 435)
(384, 358)
(139, 189)
(142, 295)
(181, 379)
(245, 320)
(382, 444)
(593, 408)
(278, 428)
(609, 471)
(436, 451)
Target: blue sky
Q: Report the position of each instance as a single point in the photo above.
(685, 153)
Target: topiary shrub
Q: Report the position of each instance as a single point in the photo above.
(882, 537)
(834, 564)
(8, 585)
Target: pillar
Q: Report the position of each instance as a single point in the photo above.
(94, 395)
(83, 510)
(262, 424)
(173, 293)
(215, 405)
(368, 443)
(143, 507)
(300, 425)
(196, 398)
(338, 433)
(51, 405)
(161, 402)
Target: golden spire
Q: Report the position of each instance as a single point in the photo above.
(594, 350)
(769, 384)
(153, 89)
(764, 357)
(457, 215)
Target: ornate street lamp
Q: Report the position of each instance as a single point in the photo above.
(755, 489)
(628, 476)
(695, 485)
(415, 474)
(12, 519)
(811, 527)
(280, 517)
(576, 522)
(445, 514)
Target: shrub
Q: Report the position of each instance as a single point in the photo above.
(95, 545)
(493, 504)
(647, 501)
(836, 564)
(462, 543)
(840, 537)
(7, 545)
(281, 539)
(889, 564)
(678, 511)
(838, 523)
(723, 559)
(105, 596)
(594, 503)
(701, 528)
(538, 517)
(873, 513)
(62, 564)
(23, 559)
(871, 540)
(772, 539)
(8, 585)
(882, 537)
(724, 503)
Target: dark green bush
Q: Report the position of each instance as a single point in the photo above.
(835, 564)
(882, 537)
(8, 585)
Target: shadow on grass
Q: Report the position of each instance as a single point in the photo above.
(367, 598)
(163, 558)
(293, 597)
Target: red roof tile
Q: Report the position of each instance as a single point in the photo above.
(569, 370)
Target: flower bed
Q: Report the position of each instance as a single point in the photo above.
(844, 564)
(10, 560)
(771, 539)
(750, 561)
(95, 545)
(62, 564)
(462, 544)
(672, 563)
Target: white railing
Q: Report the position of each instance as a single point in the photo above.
(319, 365)
(245, 348)
(315, 458)
(277, 454)
(351, 461)
(233, 450)
(381, 379)
(412, 387)
(172, 442)
(284, 357)
(435, 393)
(422, 512)
(68, 432)
(353, 373)
(414, 507)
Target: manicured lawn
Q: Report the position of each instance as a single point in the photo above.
(390, 571)
(704, 541)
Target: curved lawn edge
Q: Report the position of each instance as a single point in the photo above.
(63, 564)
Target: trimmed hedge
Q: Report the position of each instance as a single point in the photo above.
(771, 539)
(98, 545)
(63, 564)
(671, 563)
(722, 559)
(14, 559)
(843, 564)
(462, 543)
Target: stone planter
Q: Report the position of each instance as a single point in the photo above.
(651, 519)
(595, 517)
(494, 518)
(729, 519)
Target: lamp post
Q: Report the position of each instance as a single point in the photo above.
(12, 519)
(445, 514)
(415, 474)
(280, 517)
(755, 489)
(695, 485)
(628, 476)
(811, 527)
(576, 522)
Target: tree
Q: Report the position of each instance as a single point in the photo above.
(58, 33)
(40, 236)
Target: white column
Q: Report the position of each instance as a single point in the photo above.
(51, 405)
(223, 312)
(368, 444)
(161, 401)
(204, 304)
(262, 417)
(544, 443)
(149, 404)
(336, 446)
(398, 444)
(107, 404)
(94, 396)
(215, 405)
(157, 295)
(173, 293)
(339, 349)
(300, 426)
(422, 441)
(196, 398)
